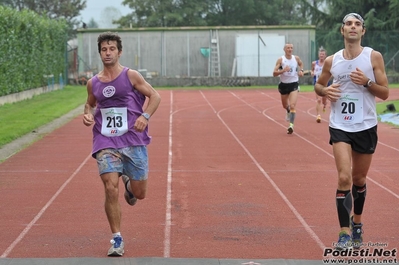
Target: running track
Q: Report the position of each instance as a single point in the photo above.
(226, 182)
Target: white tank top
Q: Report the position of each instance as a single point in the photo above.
(356, 109)
(292, 75)
(317, 70)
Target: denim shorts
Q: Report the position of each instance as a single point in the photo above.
(130, 161)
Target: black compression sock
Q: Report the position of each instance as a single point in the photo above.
(344, 206)
(359, 196)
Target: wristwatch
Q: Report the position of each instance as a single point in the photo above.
(145, 115)
(368, 83)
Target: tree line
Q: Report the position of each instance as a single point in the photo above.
(324, 14)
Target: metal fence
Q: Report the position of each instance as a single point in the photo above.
(239, 51)
(190, 52)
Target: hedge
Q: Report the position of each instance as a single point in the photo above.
(32, 47)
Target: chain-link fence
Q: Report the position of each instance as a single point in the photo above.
(239, 52)
(200, 52)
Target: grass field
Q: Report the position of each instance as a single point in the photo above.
(20, 118)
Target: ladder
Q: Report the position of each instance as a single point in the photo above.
(214, 56)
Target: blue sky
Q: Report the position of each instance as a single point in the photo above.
(94, 8)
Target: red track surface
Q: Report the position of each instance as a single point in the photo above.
(226, 181)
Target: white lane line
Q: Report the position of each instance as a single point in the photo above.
(324, 151)
(275, 186)
(168, 214)
(48, 204)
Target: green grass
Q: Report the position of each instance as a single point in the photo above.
(20, 118)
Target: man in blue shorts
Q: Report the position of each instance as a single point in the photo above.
(359, 77)
(115, 107)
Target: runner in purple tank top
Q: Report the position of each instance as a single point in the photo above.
(116, 108)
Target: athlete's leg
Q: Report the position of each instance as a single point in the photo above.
(139, 188)
(343, 161)
(136, 167)
(292, 98)
(318, 105)
(284, 101)
(318, 108)
(360, 167)
(324, 102)
(112, 206)
(110, 165)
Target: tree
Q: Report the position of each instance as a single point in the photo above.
(168, 13)
(164, 13)
(230, 12)
(381, 20)
(313, 11)
(150, 13)
(109, 15)
(92, 24)
(54, 9)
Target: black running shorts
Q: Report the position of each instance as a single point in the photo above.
(363, 142)
(286, 88)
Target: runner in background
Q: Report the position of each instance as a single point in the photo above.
(321, 102)
(289, 68)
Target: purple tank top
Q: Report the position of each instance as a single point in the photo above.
(119, 104)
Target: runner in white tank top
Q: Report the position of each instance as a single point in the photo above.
(359, 77)
(317, 66)
(289, 67)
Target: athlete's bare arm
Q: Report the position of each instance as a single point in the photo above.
(88, 118)
(300, 65)
(380, 87)
(331, 92)
(147, 90)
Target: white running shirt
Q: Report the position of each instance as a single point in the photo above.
(292, 75)
(356, 109)
(317, 71)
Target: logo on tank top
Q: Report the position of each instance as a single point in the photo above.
(108, 91)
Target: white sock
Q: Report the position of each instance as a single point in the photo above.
(129, 188)
(116, 234)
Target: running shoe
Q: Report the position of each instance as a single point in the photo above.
(129, 197)
(344, 241)
(290, 129)
(324, 108)
(117, 248)
(318, 119)
(357, 232)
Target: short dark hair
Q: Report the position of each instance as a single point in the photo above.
(109, 36)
